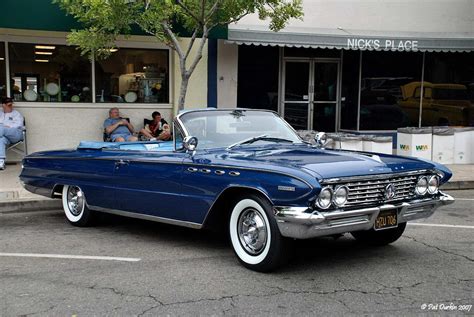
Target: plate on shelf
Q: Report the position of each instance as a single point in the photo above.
(52, 89)
(75, 98)
(131, 96)
(30, 95)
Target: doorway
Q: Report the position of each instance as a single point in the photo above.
(311, 93)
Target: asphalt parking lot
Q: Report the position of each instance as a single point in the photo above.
(132, 267)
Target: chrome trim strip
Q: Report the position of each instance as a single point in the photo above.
(305, 223)
(187, 224)
(371, 177)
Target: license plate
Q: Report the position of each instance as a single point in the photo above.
(386, 219)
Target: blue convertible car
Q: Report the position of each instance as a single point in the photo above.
(246, 171)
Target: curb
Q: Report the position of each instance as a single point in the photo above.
(458, 185)
(32, 204)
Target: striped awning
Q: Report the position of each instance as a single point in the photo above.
(354, 39)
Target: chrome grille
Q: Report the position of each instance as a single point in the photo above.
(371, 190)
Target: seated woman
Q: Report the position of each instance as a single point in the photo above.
(159, 129)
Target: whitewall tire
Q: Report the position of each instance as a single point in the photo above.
(75, 206)
(254, 234)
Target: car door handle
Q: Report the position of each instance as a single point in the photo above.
(192, 169)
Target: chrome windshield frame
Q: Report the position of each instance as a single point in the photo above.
(182, 128)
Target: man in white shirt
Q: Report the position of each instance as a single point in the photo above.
(11, 128)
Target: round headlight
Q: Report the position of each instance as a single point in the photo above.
(324, 198)
(421, 186)
(433, 184)
(340, 196)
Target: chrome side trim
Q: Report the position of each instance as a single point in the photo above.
(187, 224)
(305, 223)
(376, 176)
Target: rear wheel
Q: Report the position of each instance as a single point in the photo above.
(75, 207)
(255, 236)
(381, 237)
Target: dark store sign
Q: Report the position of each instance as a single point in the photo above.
(379, 44)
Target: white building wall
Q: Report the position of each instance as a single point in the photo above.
(196, 96)
(342, 16)
(59, 126)
(227, 66)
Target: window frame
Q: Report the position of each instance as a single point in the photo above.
(36, 37)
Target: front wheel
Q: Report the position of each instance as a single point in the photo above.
(381, 237)
(75, 207)
(255, 236)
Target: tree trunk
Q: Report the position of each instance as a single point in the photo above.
(182, 92)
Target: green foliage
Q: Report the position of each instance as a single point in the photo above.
(105, 20)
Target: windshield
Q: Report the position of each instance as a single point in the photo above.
(224, 128)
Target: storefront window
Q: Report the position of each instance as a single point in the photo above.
(133, 75)
(3, 84)
(258, 77)
(448, 97)
(49, 73)
(388, 83)
(350, 90)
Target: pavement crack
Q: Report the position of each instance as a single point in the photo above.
(42, 311)
(439, 249)
(157, 301)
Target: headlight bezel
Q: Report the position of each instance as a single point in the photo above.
(318, 199)
(425, 178)
(436, 190)
(339, 188)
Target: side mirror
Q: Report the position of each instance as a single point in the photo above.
(321, 139)
(190, 143)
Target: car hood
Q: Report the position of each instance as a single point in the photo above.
(325, 163)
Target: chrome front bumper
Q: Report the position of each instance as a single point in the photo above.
(304, 223)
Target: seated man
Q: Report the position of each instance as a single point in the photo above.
(117, 128)
(159, 129)
(11, 128)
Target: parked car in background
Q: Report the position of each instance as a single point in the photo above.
(443, 104)
(246, 171)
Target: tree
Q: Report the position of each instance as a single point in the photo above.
(105, 20)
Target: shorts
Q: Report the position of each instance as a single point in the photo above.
(125, 136)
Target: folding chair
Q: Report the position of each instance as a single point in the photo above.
(106, 137)
(20, 147)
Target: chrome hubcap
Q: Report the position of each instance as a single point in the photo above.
(252, 231)
(75, 200)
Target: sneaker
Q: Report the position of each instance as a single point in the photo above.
(2, 165)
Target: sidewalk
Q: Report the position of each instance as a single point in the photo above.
(13, 197)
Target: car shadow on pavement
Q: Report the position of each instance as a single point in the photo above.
(322, 253)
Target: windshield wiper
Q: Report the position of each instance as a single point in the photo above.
(258, 138)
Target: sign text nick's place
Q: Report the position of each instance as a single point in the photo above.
(385, 44)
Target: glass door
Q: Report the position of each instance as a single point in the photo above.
(324, 96)
(311, 94)
(296, 94)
